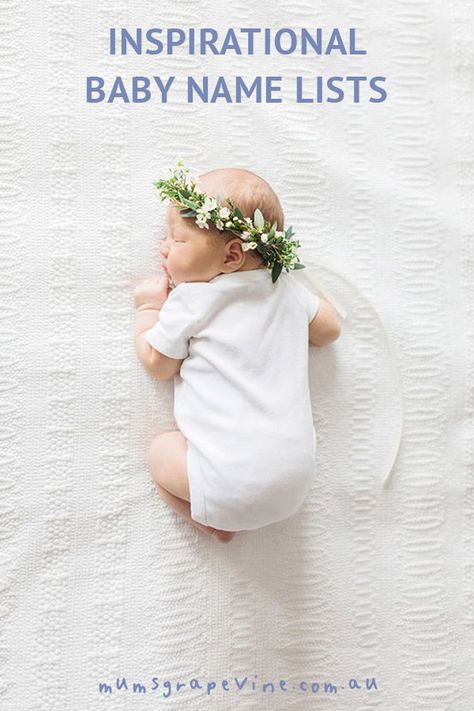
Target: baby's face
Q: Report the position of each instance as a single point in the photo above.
(188, 252)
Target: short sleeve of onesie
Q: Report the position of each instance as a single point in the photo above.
(171, 334)
(309, 300)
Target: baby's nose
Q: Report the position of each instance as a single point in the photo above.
(164, 249)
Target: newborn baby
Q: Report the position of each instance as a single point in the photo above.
(236, 343)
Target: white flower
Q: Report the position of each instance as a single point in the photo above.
(202, 211)
(246, 246)
(264, 238)
(228, 224)
(224, 212)
(210, 203)
(249, 221)
(201, 220)
(219, 225)
(279, 234)
(189, 182)
(245, 235)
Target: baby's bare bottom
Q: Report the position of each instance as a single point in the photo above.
(167, 463)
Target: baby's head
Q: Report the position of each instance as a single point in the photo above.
(192, 253)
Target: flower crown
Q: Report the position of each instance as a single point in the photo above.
(277, 248)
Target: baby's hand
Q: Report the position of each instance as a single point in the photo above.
(152, 292)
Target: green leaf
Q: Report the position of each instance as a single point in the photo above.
(276, 271)
(298, 265)
(258, 218)
(239, 214)
(187, 214)
(188, 203)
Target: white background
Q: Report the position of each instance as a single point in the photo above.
(99, 580)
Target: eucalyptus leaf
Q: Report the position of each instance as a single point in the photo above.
(239, 214)
(258, 218)
(188, 203)
(298, 265)
(188, 214)
(276, 271)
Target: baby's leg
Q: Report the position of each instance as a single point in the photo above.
(167, 462)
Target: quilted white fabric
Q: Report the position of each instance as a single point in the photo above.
(374, 578)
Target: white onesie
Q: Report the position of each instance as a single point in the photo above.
(242, 397)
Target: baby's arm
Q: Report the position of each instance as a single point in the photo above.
(149, 297)
(325, 327)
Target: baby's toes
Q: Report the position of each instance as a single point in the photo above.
(223, 536)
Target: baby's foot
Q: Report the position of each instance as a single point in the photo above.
(222, 536)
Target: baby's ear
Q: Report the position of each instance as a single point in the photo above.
(234, 254)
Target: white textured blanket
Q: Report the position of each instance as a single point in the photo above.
(99, 581)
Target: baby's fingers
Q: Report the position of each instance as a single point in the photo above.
(153, 291)
(164, 286)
